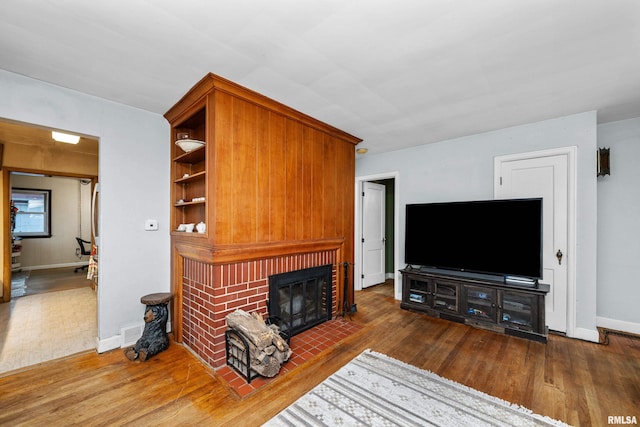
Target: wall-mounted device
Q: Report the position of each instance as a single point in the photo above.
(603, 166)
(151, 225)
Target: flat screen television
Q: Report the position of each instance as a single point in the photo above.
(495, 237)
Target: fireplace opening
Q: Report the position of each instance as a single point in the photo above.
(301, 299)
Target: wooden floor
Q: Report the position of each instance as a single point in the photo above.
(56, 279)
(577, 382)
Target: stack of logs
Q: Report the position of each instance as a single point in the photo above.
(267, 349)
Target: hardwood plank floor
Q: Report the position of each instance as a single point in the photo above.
(577, 382)
(56, 279)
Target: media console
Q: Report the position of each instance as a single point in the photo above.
(477, 301)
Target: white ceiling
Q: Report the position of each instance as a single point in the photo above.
(396, 73)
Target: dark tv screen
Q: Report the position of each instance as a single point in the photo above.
(499, 237)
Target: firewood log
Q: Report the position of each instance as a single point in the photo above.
(267, 350)
(250, 327)
(280, 343)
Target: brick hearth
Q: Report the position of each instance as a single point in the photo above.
(210, 292)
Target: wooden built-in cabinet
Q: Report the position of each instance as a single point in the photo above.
(483, 303)
(267, 173)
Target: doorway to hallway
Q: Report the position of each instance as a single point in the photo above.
(385, 264)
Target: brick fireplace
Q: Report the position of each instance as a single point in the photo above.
(210, 292)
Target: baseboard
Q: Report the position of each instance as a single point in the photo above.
(618, 325)
(51, 266)
(128, 336)
(606, 325)
(109, 344)
(586, 334)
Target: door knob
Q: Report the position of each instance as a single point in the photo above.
(559, 256)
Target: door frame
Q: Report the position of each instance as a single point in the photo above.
(571, 153)
(366, 199)
(6, 201)
(357, 270)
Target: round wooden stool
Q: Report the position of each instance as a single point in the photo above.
(158, 298)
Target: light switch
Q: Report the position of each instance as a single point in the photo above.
(151, 225)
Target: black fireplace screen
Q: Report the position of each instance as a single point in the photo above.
(301, 299)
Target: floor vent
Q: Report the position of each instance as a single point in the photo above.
(131, 334)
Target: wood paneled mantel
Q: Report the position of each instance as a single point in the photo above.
(269, 182)
(225, 254)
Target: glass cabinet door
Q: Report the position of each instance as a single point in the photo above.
(445, 296)
(418, 291)
(519, 310)
(480, 303)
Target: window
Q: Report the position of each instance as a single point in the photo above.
(33, 217)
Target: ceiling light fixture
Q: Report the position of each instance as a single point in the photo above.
(65, 137)
(362, 150)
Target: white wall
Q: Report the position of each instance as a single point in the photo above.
(462, 169)
(619, 228)
(134, 176)
(69, 200)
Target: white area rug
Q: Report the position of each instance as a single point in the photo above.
(376, 390)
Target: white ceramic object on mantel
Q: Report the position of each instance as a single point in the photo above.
(189, 144)
(189, 228)
(201, 227)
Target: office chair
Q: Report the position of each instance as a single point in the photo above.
(83, 252)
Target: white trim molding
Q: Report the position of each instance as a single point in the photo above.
(618, 325)
(108, 343)
(357, 238)
(585, 334)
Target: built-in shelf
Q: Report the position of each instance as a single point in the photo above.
(189, 172)
(192, 177)
(193, 156)
(178, 204)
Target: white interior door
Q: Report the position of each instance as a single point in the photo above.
(373, 236)
(545, 177)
